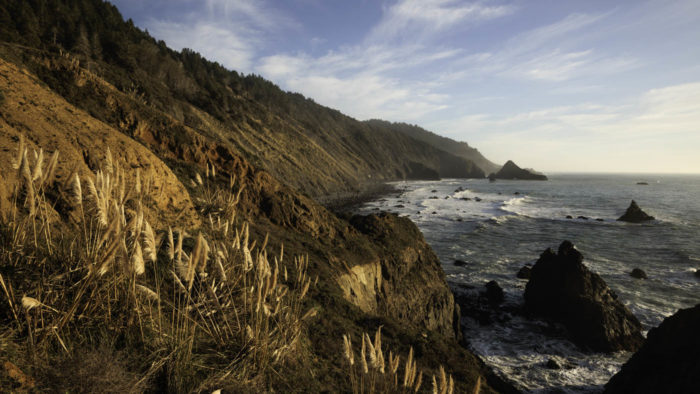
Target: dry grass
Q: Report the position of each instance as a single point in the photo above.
(373, 373)
(80, 265)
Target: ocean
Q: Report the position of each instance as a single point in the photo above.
(515, 221)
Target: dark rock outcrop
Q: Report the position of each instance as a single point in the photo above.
(563, 289)
(460, 263)
(634, 214)
(697, 272)
(511, 171)
(638, 273)
(524, 272)
(494, 292)
(669, 361)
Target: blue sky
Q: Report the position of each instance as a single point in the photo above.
(584, 86)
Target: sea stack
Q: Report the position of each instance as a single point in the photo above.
(668, 361)
(561, 288)
(634, 214)
(511, 171)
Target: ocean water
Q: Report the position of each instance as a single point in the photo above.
(499, 234)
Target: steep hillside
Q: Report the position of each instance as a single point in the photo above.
(79, 315)
(312, 148)
(457, 148)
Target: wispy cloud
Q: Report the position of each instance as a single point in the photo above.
(411, 19)
(228, 31)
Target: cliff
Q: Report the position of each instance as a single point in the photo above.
(312, 148)
(457, 148)
(361, 274)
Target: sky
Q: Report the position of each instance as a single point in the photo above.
(555, 85)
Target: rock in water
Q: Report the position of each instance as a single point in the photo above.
(563, 289)
(524, 272)
(635, 214)
(638, 273)
(669, 361)
(511, 170)
(494, 292)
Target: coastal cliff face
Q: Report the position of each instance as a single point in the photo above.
(409, 280)
(373, 271)
(312, 148)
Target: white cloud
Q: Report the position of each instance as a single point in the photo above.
(409, 18)
(661, 123)
(210, 39)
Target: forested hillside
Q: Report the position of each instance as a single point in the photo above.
(311, 147)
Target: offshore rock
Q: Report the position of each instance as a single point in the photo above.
(638, 273)
(668, 361)
(634, 214)
(563, 289)
(511, 171)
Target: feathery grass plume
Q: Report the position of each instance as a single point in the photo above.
(419, 382)
(30, 200)
(477, 386)
(198, 178)
(17, 163)
(149, 242)
(50, 168)
(137, 182)
(371, 352)
(363, 357)
(451, 386)
(147, 293)
(29, 303)
(37, 172)
(76, 192)
(347, 346)
(171, 244)
(109, 165)
(410, 365)
(435, 386)
(137, 262)
(443, 381)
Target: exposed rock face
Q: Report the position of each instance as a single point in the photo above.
(411, 285)
(669, 361)
(634, 214)
(511, 171)
(563, 289)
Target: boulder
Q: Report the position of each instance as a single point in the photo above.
(634, 214)
(638, 273)
(599, 220)
(564, 290)
(697, 272)
(524, 272)
(494, 292)
(569, 217)
(460, 263)
(583, 217)
(643, 183)
(669, 360)
(511, 171)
